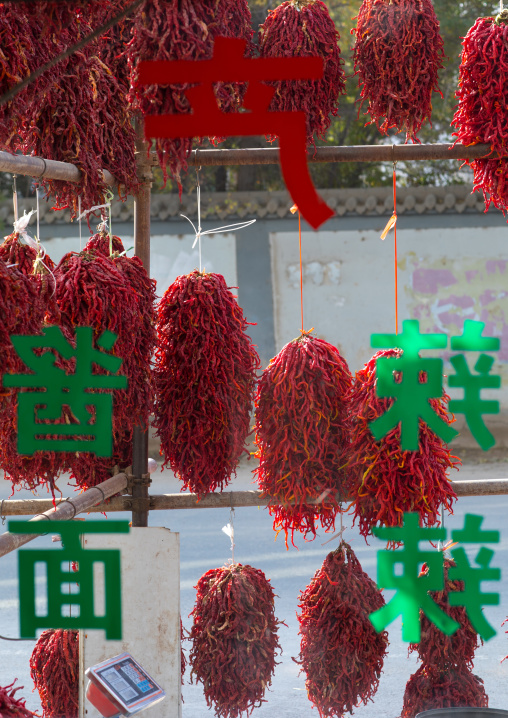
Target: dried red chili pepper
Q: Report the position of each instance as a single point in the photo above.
(302, 431)
(398, 53)
(99, 243)
(92, 127)
(115, 294)
(304, 28)
(31, 263)
(182, 30)
(341, 653)
(234, 638)
(22, 310)
(10, 706)
(436, 649)
(443, 688)
(385, 481)
(482, 115)
(54, 667)
(204, 375)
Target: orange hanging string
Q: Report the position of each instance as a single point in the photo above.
(294, 209)
(395, 248)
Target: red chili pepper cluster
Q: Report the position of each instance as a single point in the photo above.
(181, 30)
(386, 481)
(205, 374)
(442, 688)
(302, 432)
(10, 706)
(341, 653)
(96, 290)
(304, 28)
(398, 53)
(445, 679)
(482, 114)
(100, 244)
(22, 311)
(54, 667)
(435, 647)
(31, 263)
(234, 638)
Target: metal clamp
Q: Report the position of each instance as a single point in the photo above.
(139, 504)
(144, 480)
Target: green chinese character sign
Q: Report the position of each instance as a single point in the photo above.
(411, 381)
(412, 586)
(60, 389)
(58, 577)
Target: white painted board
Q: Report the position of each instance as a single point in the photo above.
(150, 570)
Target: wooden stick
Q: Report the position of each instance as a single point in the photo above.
(65, 510)
(226, 499)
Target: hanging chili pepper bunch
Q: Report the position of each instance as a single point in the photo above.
(341, 653)
(386, 481)
(22, 310)
(92, 127)
(398, 53)
(205, 376)
(302, 432)
(182, 30)
(482, 113)
(234, 638)
(10, 706)
(54, 667)
(19, 56)
(30, 262)
(304, 28)
(92, 291)
(445, 679)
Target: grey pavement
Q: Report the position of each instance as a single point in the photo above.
(205, 546)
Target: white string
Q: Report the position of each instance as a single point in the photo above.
(15, 197)
(38, 235)
(79, 221)
(338, 534)
(92, 209)
(229, 530)
(199, 232)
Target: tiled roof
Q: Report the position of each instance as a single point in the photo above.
(225, 205)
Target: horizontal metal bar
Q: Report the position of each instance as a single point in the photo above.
(40, 168)
(226, 499)
(354, 153)
(65, 510)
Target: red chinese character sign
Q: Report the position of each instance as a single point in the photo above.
(228, 64)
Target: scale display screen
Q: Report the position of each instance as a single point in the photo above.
(127, 683)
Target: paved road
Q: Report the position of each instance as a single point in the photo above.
(204, 546)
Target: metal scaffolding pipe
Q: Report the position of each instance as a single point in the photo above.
(40, 168)
(225, 499)
(65, 510)
(355, 153)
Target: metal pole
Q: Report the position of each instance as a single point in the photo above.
(141, 480)
(39, 168)
(355, 153)
(65, 511)
(225, 500)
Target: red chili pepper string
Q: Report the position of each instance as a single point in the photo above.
(385, 481)
(436, 649)
(304, 28)
(451, 687)
(10, 706)
(481, 115)
(205, 376)
(54, 667)
(302, 432)
(234, 638)
(182, 30)
(341, 653)
(112, 293)
(398, 53)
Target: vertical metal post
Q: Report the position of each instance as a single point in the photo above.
(142, 250)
